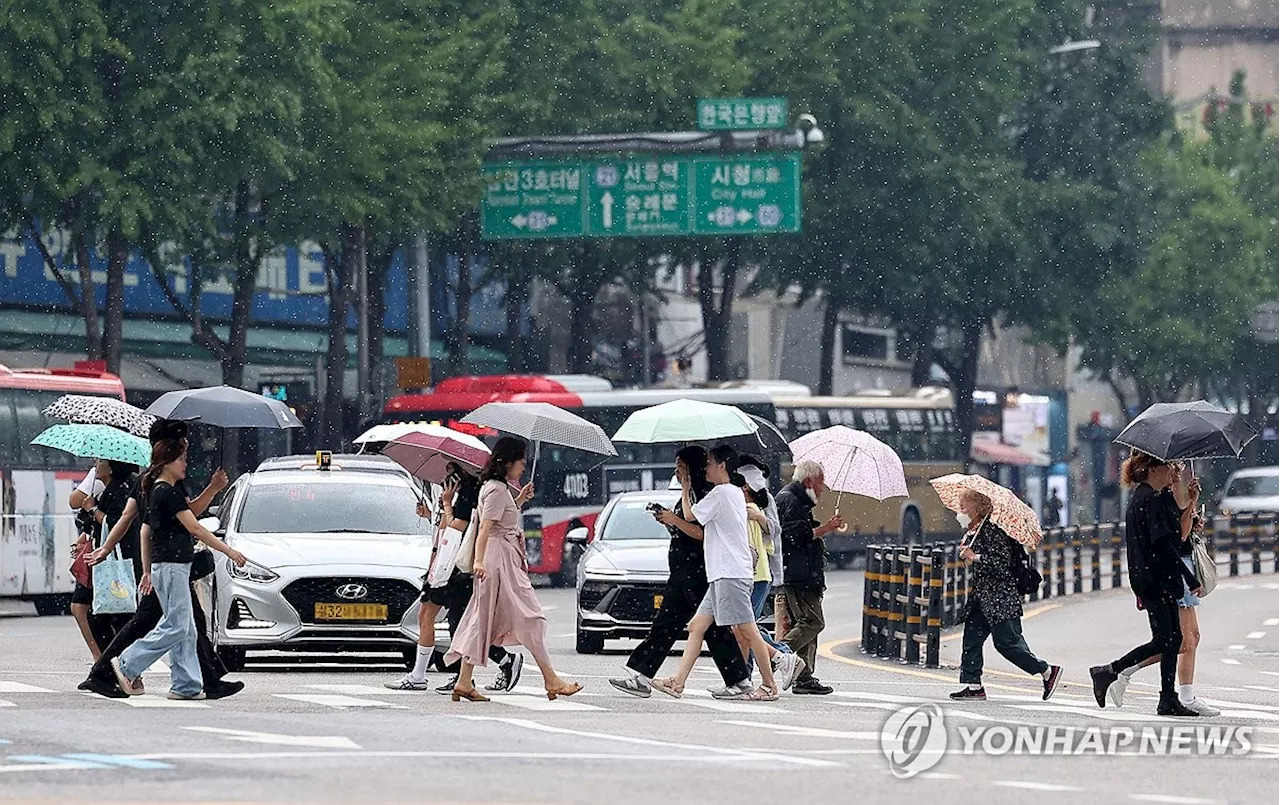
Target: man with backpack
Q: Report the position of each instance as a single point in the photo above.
(994, 606)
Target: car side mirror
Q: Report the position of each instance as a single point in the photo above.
(213, 511)
(214, 525)
(578, 536)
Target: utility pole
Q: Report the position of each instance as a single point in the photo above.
(422, 295)
(362, 328)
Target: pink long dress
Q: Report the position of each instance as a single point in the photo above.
(504, 610)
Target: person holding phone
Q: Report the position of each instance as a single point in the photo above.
(686, 587)
(1154, 528)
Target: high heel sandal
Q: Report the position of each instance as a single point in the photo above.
(472, 695)
(565, 689)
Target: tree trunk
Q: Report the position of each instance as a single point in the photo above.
(88, 296)
(379, 264)
(113, 314)
(341, 270)
(964, 378)
(827, 353)
(457, 339)
(717, 313)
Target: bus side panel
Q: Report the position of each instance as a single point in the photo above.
(36, 533)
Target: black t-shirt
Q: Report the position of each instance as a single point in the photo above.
(685, 556)
(170, 540)
(112, 503)
(466, 498)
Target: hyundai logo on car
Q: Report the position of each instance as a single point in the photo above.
(352, 591)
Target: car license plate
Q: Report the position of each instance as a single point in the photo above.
(351, 612)
(657, 602)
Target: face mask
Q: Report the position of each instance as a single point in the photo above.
(964, 520)
(812, 494)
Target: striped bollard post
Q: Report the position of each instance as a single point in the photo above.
(868, 612)
(1062, 562)
(897, 585)
(1046, 565)
(1255, 529)
(1116, 538)
(915, 579)
(1077, 560)
(1095, 561)
(1233, 537)
(933, 643)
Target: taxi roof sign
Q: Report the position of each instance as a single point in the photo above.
(324, 459)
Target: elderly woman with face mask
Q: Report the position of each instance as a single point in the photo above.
(994, 606)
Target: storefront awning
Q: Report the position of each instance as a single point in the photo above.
(993, 452)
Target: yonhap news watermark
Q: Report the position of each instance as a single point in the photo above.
(915, 738)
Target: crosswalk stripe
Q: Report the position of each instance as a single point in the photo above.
(366, 690)
(57, 762)
(7, 703)
(543, 704)
(817, 732)
(337, 700)
(116, 760)
(158, 701)
(21, 687)
(723, 706)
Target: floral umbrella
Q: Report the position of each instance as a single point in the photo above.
(1007, 511)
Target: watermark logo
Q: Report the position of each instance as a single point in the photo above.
(914, 739)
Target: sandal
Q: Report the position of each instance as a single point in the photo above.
(762, 694)
(565, 689)
(668, 686)
(472, 695)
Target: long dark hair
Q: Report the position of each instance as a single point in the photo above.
(163, 452)
(506, 452)
(695, 459)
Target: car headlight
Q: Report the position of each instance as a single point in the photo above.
(251, 572)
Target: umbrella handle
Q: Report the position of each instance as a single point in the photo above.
(844, 527)
(537, 450)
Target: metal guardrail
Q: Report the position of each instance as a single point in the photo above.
(912, 592)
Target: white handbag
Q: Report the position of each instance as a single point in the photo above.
(1206, 568)
(444, 557)
(466, 557)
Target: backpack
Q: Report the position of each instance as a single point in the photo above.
(1025, 577)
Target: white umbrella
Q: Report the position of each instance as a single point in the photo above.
(853, 461)
(543, 422)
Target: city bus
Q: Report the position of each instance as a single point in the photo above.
(571, 486)
(37, 528)
(920, 426)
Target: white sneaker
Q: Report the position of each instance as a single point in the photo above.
(1116, 692)
(731, 692)
(1201, 709)
(406, 683)
(786, 667)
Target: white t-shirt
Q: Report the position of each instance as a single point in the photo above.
(723, 515)
(91, 486)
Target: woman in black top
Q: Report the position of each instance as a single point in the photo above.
(166, 558)
(686, 587)
(111, 487)
(1154, 529)
(458, 501)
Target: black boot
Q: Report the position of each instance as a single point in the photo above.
(1103, 678)
(1171, 705)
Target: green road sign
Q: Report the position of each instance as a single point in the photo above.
(532, 200)
(747, 195)
(637, 197)
(737, 114)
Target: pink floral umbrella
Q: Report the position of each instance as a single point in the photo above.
(1016, 518)
(427, 452)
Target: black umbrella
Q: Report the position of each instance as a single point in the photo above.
(766, 442)
(1172, 431)
(225, 407)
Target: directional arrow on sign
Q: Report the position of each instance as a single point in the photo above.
(248, 736)
(607, 202)
(519, 221)
(744, 216)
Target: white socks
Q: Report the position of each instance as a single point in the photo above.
(419, 672)
(1186, 694)
(975, 686)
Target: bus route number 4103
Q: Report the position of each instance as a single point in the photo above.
(576, 486)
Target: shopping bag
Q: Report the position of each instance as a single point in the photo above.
(80, 569)
(115, 591)
(446, 554)
(1206, 568)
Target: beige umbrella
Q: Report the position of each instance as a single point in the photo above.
(1007, 511)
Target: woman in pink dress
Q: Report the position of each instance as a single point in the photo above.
(504, 610)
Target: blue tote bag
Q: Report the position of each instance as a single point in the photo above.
(115, 592)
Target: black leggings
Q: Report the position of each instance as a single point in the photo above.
(1166, 640)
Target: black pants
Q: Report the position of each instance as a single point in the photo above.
(680, 600)
(1008, 640)
(458, 591)
(1166, 640)
(143, 621)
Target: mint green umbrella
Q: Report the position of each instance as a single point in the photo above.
(97, 441)
(684, 421)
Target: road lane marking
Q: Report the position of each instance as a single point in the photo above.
(1172, 800)
(118, 760)
(1229, 661)
(366, 690)
(728, 706)
(543, 705)
(1236, 647)
(717, 750)
(7, 703)
(1271, 622)
(337, 700)
(22, 687)
(1255, 635)
(573, 757)
(814, 732)
(1030, 785)
(153, 701)
(249, 736)
(47, 763)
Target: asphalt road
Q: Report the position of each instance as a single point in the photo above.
(307, 733)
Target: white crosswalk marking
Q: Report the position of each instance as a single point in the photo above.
(1271, 622)
(1229, 661)
(7, 703)
(21, 687)
(816, 732)
(543, 704)
(1031, 785)
(337, 700)
(366, 690)
(158, 702)
(720, 706)
(1255, 635)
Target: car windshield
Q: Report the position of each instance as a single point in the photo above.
(331, 508)
(1254, 486)
(630, 520)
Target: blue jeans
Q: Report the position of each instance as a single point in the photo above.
(175, 634)
(760, 594)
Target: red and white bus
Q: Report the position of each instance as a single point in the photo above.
(572, 486)
(36, 526)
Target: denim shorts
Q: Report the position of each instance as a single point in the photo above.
(1188, 600)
